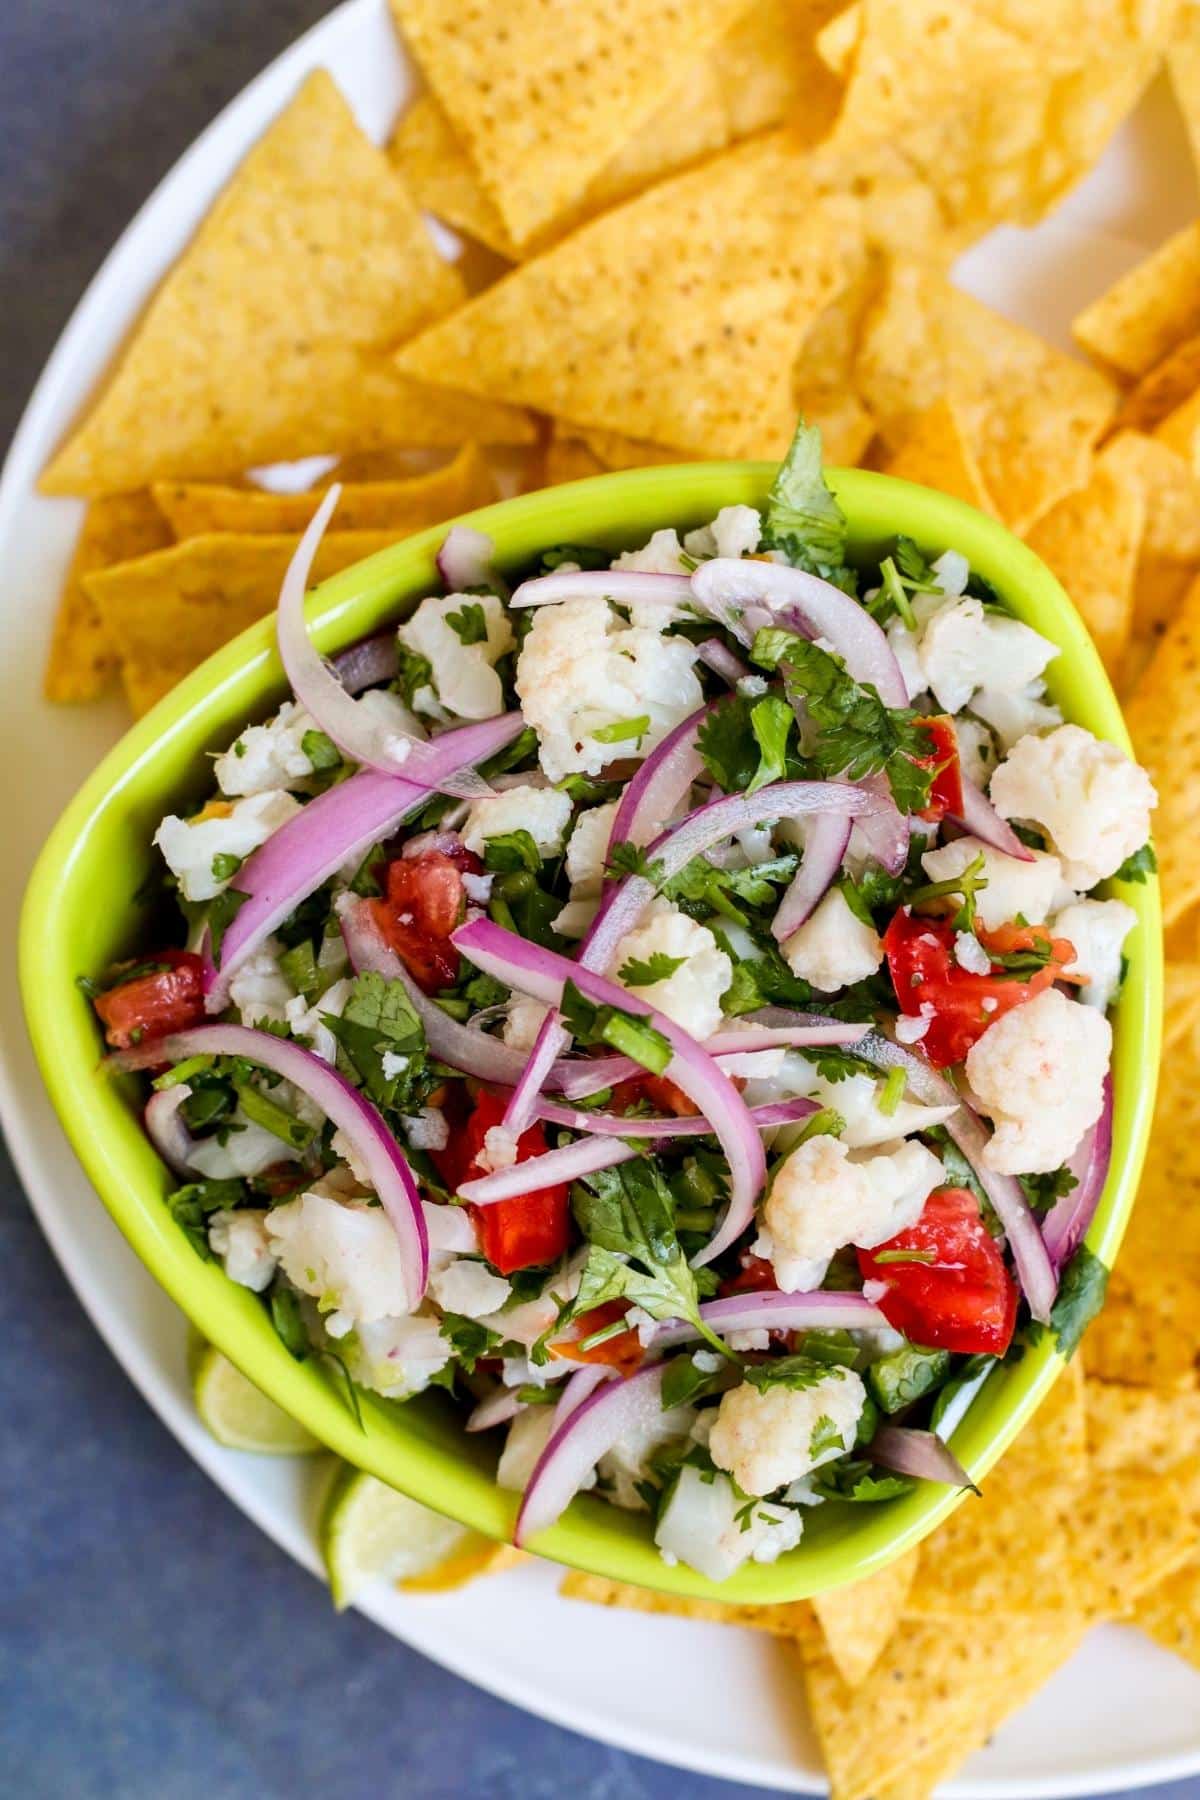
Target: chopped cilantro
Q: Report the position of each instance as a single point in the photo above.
(744, 741)
(795, 1373)
(856, 1479)
(657, 967)
(620, 729)
(802, 519)
(260, 1109)
(221, 914)
(225, 865)
(826, 1436)
(413, 673)
(625, 1032)
(378, 1021)
(968, 886)
(1143, 862)
(321, 751)
(470, 623)
(509, 851)
(1080, 1297)
(285, 1317)
(1042, 1191)
(190, 1205)
(469, 1340)
(588, 556)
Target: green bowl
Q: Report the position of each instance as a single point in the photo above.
(81, 912)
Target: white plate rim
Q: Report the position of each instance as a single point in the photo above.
(482, 1669)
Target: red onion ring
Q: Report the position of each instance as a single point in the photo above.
(885, 830)
(622, 585)
(543, 973)
(723, 661)
(577, 1388)
(330, 831)
(980, 818)
(497, 1409)
(389, 1173)
(1065, 1226)
(576, 1446)
(166, 1129)
(780, 1112)
(919, 1453)
(367, 663)
(793, 597)
(582, 1157)
(358, 733)
(819, 868)
(771, 1310)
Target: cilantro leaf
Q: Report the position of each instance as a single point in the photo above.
(587, 556)
(413, 673)
(826, 1436)
(771, 721)
(1143, 862)
(509, 851)
(470, 622)
(469, 1339)
(857, 1480)
(657, 967)
(744, 740)
(221, 914)
(321, 751)
(1080, 1297)
(378, 1021)
(858, 734)
(625, 1032)
(288, 1323)
(1042, 1191)
(802, 518)
(796, 1373)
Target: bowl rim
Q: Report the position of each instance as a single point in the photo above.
(245, 677)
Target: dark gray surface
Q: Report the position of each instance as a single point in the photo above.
(152, 1642)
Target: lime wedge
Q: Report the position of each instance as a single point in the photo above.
(369, 1532)
(237, 1414)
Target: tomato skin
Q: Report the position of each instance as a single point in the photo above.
(529, 1229)
(921, 962)
(623, 1352)
(965, 1299)
(946, 789)
(755, 1275)
(153, 1006)
(658, 1091)
(424, 901)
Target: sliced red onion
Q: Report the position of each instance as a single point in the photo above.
(727, 584)
(980, 818)
(885, 830)
(576, 1446)
(578, 1077)
(824, 849)
(366, 664)
(718, 657)
(1066, 1224)
(771, 1310)
(373, 1143)
(465, 560)
(780, 1112)
(625, 586)
(583, 1157)
(497, 1409)
(542, 974)
(661, 783)
(359, 733)
(1031, 1259)
(929, 1087)
(578, 1387)
(329, 832)
(919, 1453)
(166, 1128)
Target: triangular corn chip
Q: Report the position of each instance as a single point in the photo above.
(1165, 724)
(1183, 67)
(1142, 317)
(543, 93)
(858, 1620)
(689, 336)
(935, 453)
(167, 612)
(1170, 1612)
(1163, 388)
(270, 338)
(1091, 540)
(792, 1619)
(83, 659)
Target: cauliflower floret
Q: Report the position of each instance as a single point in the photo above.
(450, 1230)
(346, 1255)
(190, 845)
(904, 648)
(465, 681)
(952, 572)
(691, 995)
(964, 647)
(527, 1437)
(766, 1437)
(428, 1129)
(624, 1465)
(1032, 889)
(706, 1525)
(240, 1240)
(1092, 799)
(468, 1288)
(1011, 715)
(856, 1098)
(736, 531)
(542, 812)
(245, 1152)
(398, 1357)
(834, 947)
(822, 1198)
(587, 848)
(306, 1021)
(1098, 929)
(267, 757)
(522, 1022)
(259, 989)
(663, 555)
(582, 670)
(1039, 1073)
(976, 750)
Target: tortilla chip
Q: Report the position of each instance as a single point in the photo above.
(442, 178)
(1140, 1428)
(83, 660)
(543, 94)
(168, 611)
(270, 338)
(1180, 431)
(1091, 540)
(823, 374)
(936, 454)
(793, 1619)
(1165, 725)
(859, 1619)
(400, 507)
(1170, 1612)
(936, 1693)
(1183, 68)
(569, 459)
(710, 282)
(616, 451)
(479, 1556)
(769, 69)
(1148, 312)
(1163, 388)
(1138, 1341)
(1181, 1008)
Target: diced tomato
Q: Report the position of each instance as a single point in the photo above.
(963, 1297)
(754, 1275)
(925, 972)
(529, 1229)
(154, 1005)
(946, 789)
(622, 1351)
(423, 902)
(658, 1091)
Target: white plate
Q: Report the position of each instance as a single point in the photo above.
(722, 1702)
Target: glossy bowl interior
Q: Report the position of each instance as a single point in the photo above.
(81, 912)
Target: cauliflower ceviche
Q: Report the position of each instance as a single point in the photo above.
(663, 1004)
